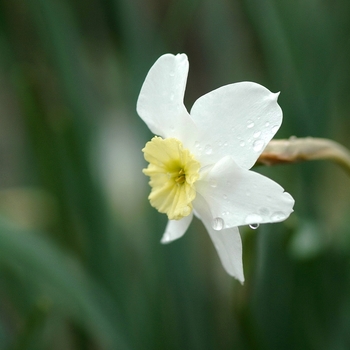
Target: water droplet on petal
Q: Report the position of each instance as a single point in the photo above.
(242, 143)
(213, 183)
(278, 216)
(254, 226)
(264, 211)
(250, 124)
(208, 149)
(274, 129)
(257, 134)
(258, 145)
(218, 224)
(253, 218)
(267, 124)
(225, 144)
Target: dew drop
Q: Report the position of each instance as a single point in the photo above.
(218, 224)
(253, 218)
(257, 134)
(213, 183)
(278, 216)
(264, 211)
(250, 124)
(254, 226)
(267, 124)
(258, 145)
(274, 129)
(242, 143)
(225, 144)
(208, 149)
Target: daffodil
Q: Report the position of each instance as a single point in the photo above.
(199, 161)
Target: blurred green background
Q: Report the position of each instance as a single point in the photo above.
(81, 266)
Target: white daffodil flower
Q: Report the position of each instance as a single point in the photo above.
(199, 164)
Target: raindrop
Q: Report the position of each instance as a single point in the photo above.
(264, 211)
(213, 183)
(250, 124)
(257, 134)
(242, 143)
(267, 124)
(218, 224)
(208, 149)
(253, 218)
(258, 145)
(225, 144)
(278, 216)
(274, 129)
(254, 226)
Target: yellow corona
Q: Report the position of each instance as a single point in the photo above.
(173, 172)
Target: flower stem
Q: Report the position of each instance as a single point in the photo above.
(302, 149)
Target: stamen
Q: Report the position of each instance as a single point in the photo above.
(181, 178)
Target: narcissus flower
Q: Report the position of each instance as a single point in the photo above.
(199, 162)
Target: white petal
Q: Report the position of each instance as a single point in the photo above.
(240, 197)
(237, 120)
(160, 103)
(227, 242)
(229, 247)
(176, 229)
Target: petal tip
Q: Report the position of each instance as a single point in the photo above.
(166, 239)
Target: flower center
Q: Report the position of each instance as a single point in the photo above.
(173, 172)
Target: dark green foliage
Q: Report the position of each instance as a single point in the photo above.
(81, 266)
